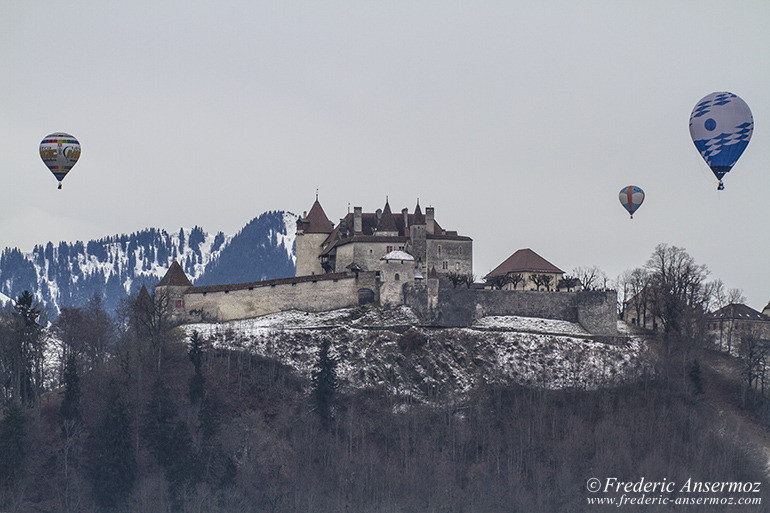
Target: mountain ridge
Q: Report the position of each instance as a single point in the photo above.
(114, 267)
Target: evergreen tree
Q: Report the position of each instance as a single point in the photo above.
(696, 377)
(27, 349)
(324, 382)
(70, 416)
(12, 445)
(197, 382)
(169, 440)
(112, 461)
(71, 423)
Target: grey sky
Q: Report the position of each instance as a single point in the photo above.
(519, 121)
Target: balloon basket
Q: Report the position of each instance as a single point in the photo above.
(721, 186)
(59, 185)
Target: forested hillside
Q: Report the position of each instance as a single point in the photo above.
(140, 417)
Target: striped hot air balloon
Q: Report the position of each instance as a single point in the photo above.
(59, 152)
(631, 198)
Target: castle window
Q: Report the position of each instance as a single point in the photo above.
(371, 251)
(457, 266)
(389, 249)
(294, 284)
(439, 249)
(397, 277)
(227, 292)
(179, 303)
(445, 265)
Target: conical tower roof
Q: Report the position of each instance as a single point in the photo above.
(175, 277)
(316, 220)
(418, 217)
(387, 221)
(143, 299)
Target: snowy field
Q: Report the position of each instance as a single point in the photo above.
(533, 352)
(530, 324)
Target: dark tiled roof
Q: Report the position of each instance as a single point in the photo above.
(369, 224)
(738, 311)
(418, 218)
(316, 220)
(387, 222)
(433, 273)
(267, 283)
(175, 276)
(143, 299)
(524, 261)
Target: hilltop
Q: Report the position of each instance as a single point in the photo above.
(378, 348)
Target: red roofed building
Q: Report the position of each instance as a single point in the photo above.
(524, 270)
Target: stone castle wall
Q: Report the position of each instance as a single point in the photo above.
(436, 301)
(594, 310)
(309, 295)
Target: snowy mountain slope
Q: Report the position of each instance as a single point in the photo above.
(68, 274)
(267, 242)
(450, 361)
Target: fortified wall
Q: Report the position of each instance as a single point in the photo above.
(316, 293)
(441, 304)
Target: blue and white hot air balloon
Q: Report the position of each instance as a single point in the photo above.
(631, 198)
(721, 126)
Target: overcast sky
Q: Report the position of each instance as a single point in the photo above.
(518, 121)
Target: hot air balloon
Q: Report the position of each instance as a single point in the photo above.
(631, 198)
(59, 152)
(721, 126)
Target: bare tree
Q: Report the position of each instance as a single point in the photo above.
(568, 282)
(152, 316)
(735, 297)
(589, 277)
(679, 285)
(497, 282)
(754, 353)
(541, 280)
(514, 279)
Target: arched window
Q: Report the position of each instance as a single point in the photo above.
(397, 277)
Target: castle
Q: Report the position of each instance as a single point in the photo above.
(385, 258)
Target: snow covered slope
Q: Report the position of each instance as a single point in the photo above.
(369, 348)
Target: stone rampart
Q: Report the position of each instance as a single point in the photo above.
(309, 294)
(449, 306)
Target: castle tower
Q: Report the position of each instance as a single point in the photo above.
(171, 288)
(312, 230)
(417, 239)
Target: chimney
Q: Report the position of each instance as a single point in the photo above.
(405, 213)
(357, 225)
(430, 224)
(343, 226)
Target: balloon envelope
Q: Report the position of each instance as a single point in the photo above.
(631, 198)
(721, 125)
(59, 152)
